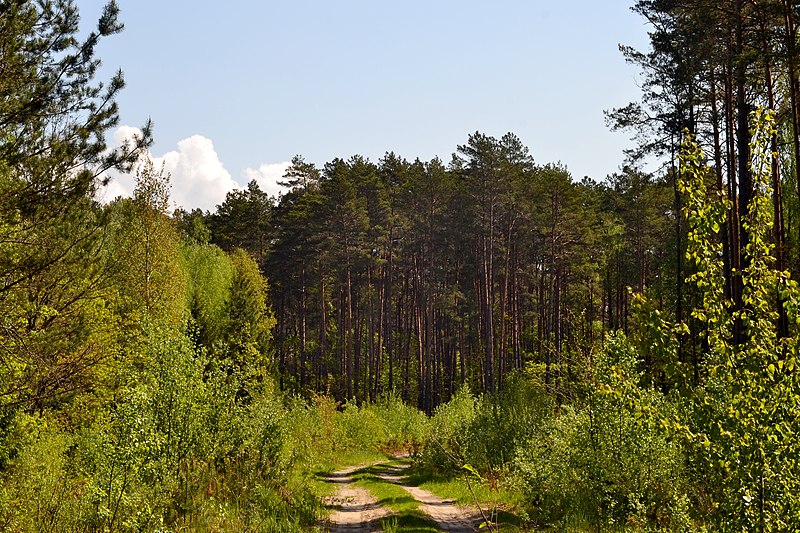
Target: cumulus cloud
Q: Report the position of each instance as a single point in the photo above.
(199, 178)
(267, 175)
(119, 184)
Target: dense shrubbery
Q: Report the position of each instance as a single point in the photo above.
(175, 447)
(323, 430)
(603, 460)
(484, 432)
(179, 447)
(606, 460)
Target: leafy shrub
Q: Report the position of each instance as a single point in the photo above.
(608, 461)
(449, 434)
(38, 492)
(178, 448)
(505, 422)
(405, 426)
(359, 428)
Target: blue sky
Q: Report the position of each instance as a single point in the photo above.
(235, 89)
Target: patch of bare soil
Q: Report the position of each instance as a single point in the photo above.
(448, 515)
(353, 509)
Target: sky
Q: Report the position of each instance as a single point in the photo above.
(236, 89)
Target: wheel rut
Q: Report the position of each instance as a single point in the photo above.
(355, 509)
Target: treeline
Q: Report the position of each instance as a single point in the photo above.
(417, 278)
(134, 385)
(710, 65)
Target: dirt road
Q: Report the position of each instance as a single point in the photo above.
(355, 509)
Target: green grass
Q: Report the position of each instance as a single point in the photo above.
(346, 459)
(408, 523)
(388, 494)
(502, 506)
(406, 517)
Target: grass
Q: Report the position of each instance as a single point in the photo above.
(503, 507)
(388, 494)
(407, 524)
(345, 459)
(349, 458)
(406, 517)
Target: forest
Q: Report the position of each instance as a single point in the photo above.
(568, 355)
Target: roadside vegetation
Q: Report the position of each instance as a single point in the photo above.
(568, 356)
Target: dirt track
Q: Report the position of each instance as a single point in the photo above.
(356, 510)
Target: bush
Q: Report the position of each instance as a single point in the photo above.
(449, 434)
(405, 426)
(40, 491)
(608, 462)
(505, 422)
(178, 448)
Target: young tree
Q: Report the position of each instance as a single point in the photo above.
(54, 118)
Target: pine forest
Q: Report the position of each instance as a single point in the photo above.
(530, 350)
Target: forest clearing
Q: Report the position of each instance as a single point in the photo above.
(405, 345)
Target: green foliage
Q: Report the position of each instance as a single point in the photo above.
(506, 422)
(193, 226)
(746, 423)
(360, 427)
(739, 430)
(57, 328)
(227, 299)
(250, 319)
(147, 272)
(325, 434)
(37, 494)
(243, 221)
(607, 462)
(406, 426)
(134, 384)
(54, 117)
(449, 433)
(54, 113)
(177, 448)
(210, 274)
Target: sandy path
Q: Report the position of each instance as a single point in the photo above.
(448, 515)
(356, 509)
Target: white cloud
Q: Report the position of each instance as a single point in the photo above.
(119, 184)
(198, 177)
(267, 175)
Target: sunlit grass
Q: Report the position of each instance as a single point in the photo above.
(408, 523)
(501, 506)
(406, 516)
(388, 494)
(348, 458)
